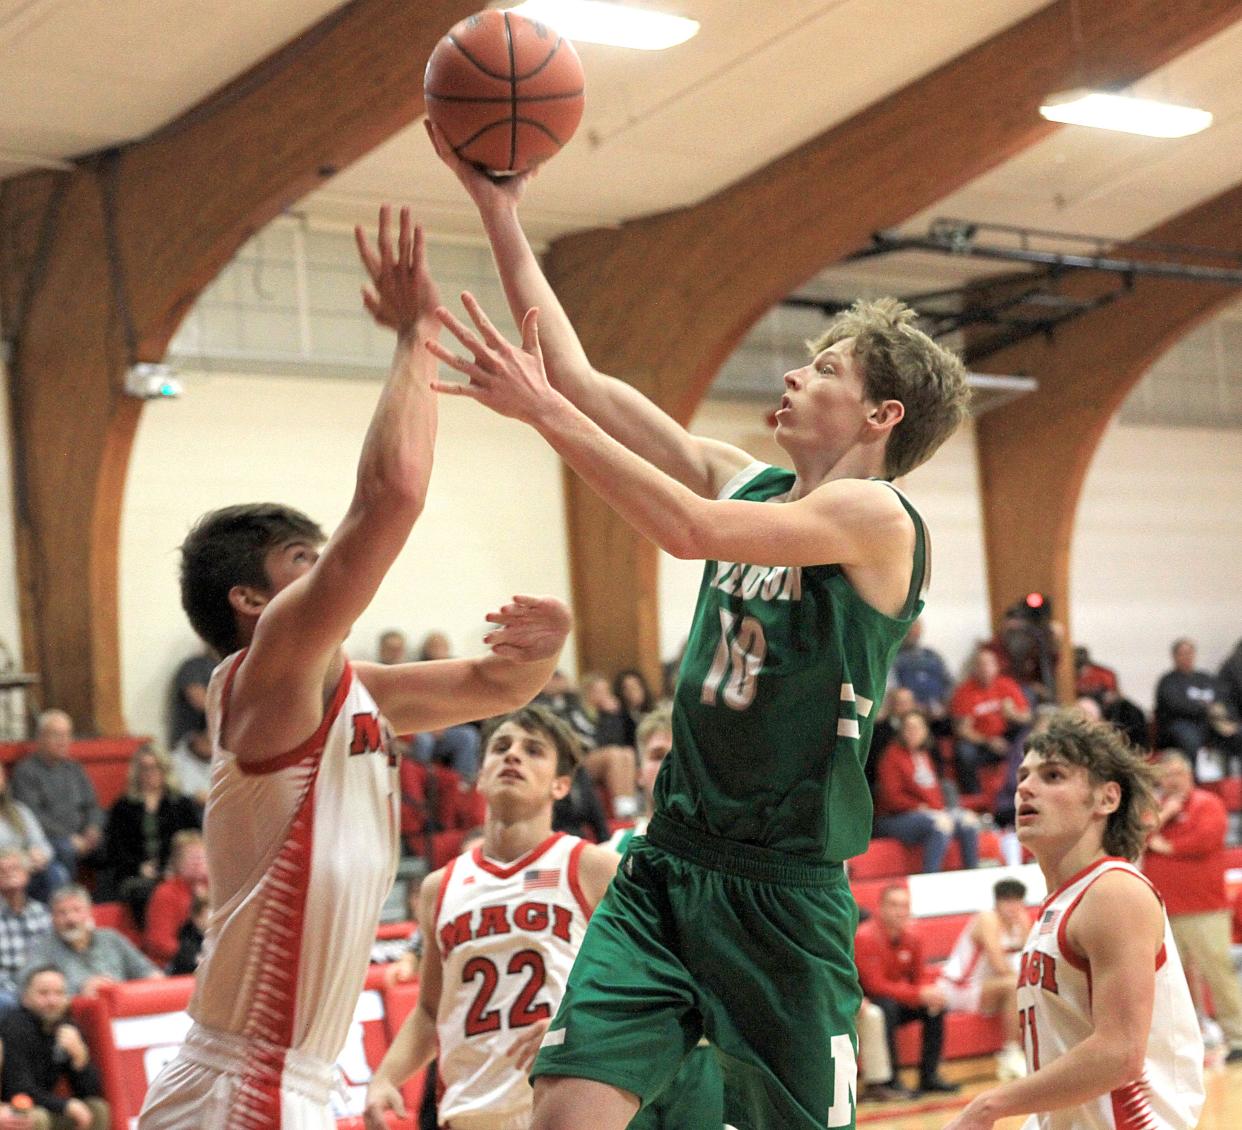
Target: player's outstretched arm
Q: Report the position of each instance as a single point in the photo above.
(1123, 987)
(299, 632)
(620, 409)
(850, 522)
(415, 1043)
(525, 645)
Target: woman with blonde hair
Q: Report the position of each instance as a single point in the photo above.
(140, 829)
(19, 828)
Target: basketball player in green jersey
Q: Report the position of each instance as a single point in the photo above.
(732, 917)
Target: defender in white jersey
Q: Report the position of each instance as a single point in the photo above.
(1110, 1033)
(502, 925)
(301, 819)
(981, 971)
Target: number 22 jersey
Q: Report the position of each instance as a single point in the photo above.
(508, 934)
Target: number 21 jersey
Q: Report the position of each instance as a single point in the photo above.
(508, 934)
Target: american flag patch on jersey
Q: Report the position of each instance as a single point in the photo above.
(1045, 923)
(541, 879)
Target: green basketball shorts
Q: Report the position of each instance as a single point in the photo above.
(699, 936)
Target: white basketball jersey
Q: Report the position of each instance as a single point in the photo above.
(967, 963)
(301, 852)
(1054, 1009)
(508, 934)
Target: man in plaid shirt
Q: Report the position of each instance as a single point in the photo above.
(22, 920)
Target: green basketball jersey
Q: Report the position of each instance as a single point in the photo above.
(783, 674)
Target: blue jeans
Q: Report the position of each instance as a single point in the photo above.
(920, 828)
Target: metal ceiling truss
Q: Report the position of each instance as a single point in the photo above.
(1002, 312)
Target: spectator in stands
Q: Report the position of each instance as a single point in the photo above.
(455, 746)
(1229, 680)
(22, 921)
(20, 829)
(141, 825)
(190, 939)
(890, 963)
(46, 1055)
(392, 647)
(609, 762)
(189, 696)
(172, 901)
(981, 972)
(88, 955)
(989, 713)
(923, 672)
(1188, 713)
(1026, 647)
(1092, 678)
(581, 812)
(560, 697)
(1185, 860)
(191, 765)
(60, 794)
(633, 693)
(909, 802)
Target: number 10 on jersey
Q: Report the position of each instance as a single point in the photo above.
(735, 666)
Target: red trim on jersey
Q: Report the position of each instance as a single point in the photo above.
(1161, 957)
(1077, 960)
(574, 885)
(278, 946)
(1131, 1110)
(507, 871)
(312, 746)
(1074, 879)
(444, 882)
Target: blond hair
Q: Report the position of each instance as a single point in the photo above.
(162, 759)
(1103, 751)
(900, 362)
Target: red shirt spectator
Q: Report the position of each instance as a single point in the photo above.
(890, 967)
(906, 781)
(1186, 858)
(173, 899)
(979, 706)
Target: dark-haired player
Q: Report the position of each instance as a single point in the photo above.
(1111, 1037)
(302, 815)
(502, 924)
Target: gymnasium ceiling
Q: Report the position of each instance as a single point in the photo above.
(661, 130)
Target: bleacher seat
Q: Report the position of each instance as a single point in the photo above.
(116, 916)
(889, 858)
(1229, 789)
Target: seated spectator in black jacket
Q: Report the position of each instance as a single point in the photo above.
(1189, 713)
(1229, 679)
(43, 1050)
(141, 826)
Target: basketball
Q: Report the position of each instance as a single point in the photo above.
(506, 92)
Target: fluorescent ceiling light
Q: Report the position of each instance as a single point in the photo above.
(1121, 112)
(614, 25)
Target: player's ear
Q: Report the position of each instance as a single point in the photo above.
(561, 786)
(247, 600)
(1108, 798)
(886, 415)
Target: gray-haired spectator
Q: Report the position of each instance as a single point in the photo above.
(88, 955)
(60, 794)
(22, 921)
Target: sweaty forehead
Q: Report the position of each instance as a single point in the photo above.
(512, 732)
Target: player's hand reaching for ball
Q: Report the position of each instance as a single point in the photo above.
(506, 378)
(528, 628)
(382, 1096)
(487, 192)
(402, 293)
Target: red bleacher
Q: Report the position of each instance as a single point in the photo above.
(135, 1027)
(889, 858)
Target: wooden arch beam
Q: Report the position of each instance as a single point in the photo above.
(663, 301)
(1034, 452)
(183, 201)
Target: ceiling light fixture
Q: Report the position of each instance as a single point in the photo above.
(1083, 107)
(614, 25)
